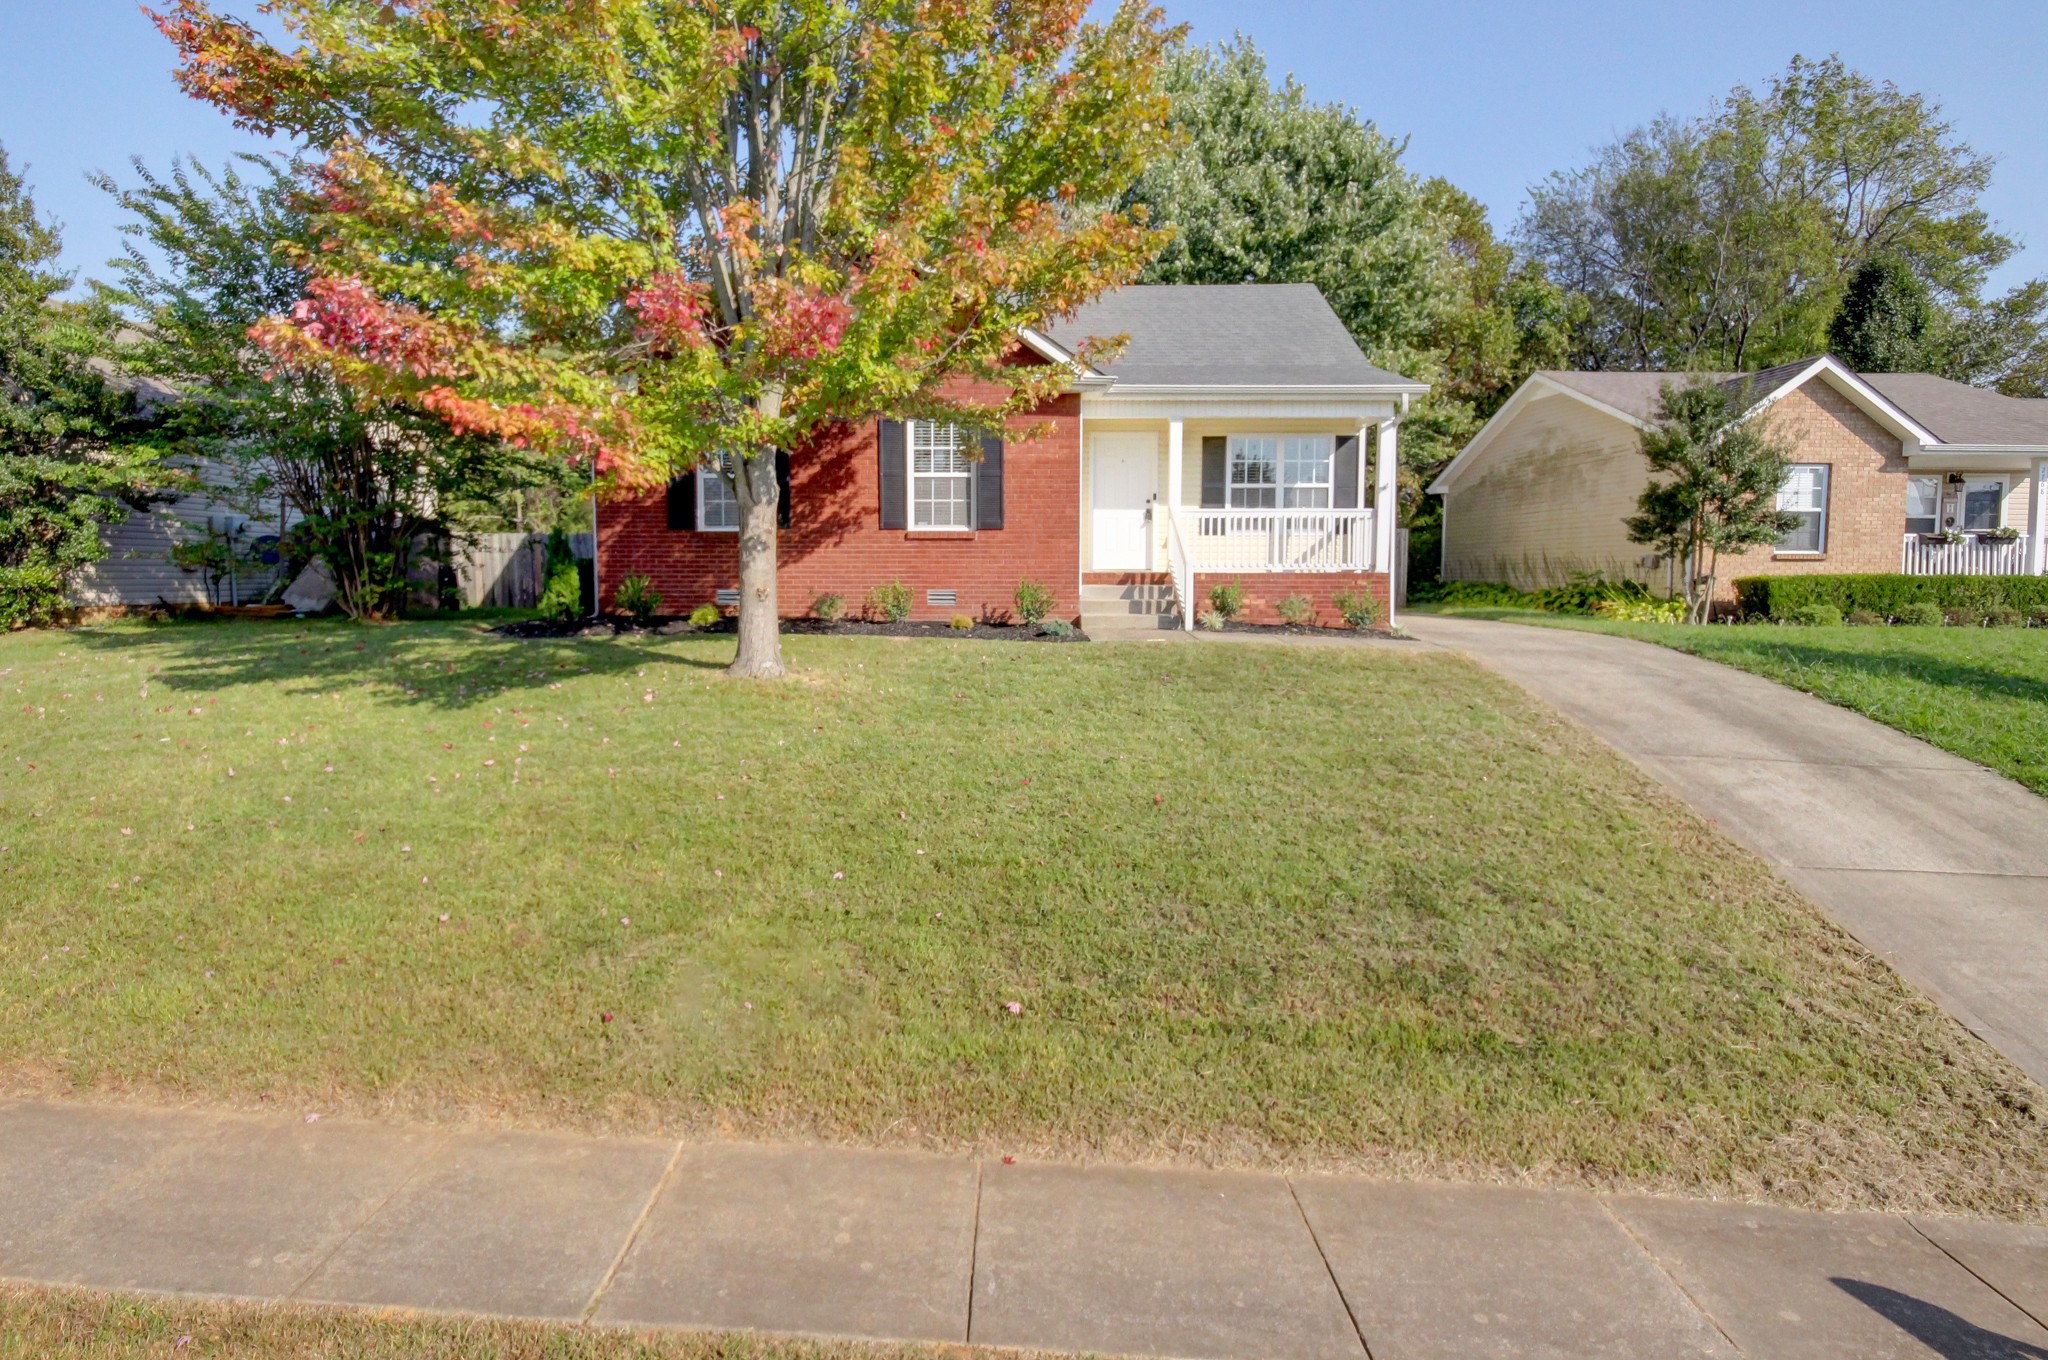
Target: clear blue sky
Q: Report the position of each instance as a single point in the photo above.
(1492, 94)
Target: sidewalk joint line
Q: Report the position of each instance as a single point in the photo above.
(974, 1252)
(1357, 1329)
(441, 1140)
(632, 1235)
(2021, 1308)
(1665, 1271)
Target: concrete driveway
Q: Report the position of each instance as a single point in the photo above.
(1936, 864)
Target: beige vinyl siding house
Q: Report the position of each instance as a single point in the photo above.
(1891, 472)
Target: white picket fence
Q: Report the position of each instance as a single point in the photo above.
(1974, 556)
(506, 571)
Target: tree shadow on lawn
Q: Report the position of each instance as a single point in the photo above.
(442, 665)
(1905, 665)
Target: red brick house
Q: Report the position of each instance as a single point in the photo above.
(1892, 472)
(1240, 435)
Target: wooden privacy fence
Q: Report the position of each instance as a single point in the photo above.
(506, 571)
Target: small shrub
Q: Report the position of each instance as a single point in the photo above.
(1816, 616)
(1641, 611)
(1034, 602)
(1920, 615)
(1359, 608)
(960, 623)
(1296, 610)
(890, 602)
(2037, 617)
(1586, 591)
(563, 598)
(1227, 599)
(1961, 617)
(1863, 618)
(1056, 628)
(29, 595)
(1212, 619)
(2004, 616)
(638, 597)
(828, 606)
(706, 616)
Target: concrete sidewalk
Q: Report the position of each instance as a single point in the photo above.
(909, 1246)
(1937, 865)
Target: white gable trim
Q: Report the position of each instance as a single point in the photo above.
(1532, 388)
(1873, 404)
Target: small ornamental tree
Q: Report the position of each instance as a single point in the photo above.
(1716, 469)
(655, 235)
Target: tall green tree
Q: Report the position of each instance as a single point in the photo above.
(1716, 469)
(1881, 326)
(652, 234)
(66, 463)
(375, 482)
(1729, 241)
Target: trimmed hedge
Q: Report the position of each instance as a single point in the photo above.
(1779, 597)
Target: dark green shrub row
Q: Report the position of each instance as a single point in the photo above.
(1780, 597)
(1584, 593)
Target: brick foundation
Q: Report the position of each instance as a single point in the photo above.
(835, 542)
(1263, 592)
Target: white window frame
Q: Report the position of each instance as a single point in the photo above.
(1827, 477)
(1933, 516)
(1284, 449)
(962, 475)
(1963, 501)
(709, 475)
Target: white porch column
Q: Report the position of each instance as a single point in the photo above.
(2037, 519)
(1176, 451)
(1386, 499)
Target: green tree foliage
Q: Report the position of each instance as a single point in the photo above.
(652, 234)
(66, 462)
(375, 482)
(1716, 469)
(1729, 241)
(1881, 326)
(1266, 186)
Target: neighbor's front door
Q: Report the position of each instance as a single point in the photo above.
(1126, 476)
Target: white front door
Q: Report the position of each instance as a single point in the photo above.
(1126, 477)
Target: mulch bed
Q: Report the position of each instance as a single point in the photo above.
(614, 625)
(1309, 630)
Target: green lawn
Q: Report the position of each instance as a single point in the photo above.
(1324, 907)
(1979, 692)
(36, 1324)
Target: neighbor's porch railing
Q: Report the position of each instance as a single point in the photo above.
(1973, 557)
(1279, 540)
(1182, 564)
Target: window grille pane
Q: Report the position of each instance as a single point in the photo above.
(1805, 538)
(718, 506)
(942, 476)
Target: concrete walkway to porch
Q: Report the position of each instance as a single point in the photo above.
(1937, 865)
(912, 1246)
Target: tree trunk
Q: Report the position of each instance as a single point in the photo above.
(760, 651)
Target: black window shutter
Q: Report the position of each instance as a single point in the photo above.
(782, 488)
(682, 502)
(1215, 470)
(1344, 474)
(988, 485)
(895, 481)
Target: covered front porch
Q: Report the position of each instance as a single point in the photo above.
(1975, 513)
(1237, 489)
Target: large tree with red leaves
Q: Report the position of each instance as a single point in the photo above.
(664, 234)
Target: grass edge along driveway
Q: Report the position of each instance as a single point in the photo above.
(1365, 909)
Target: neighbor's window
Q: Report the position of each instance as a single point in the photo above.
(1805, 494)
(718, 505)
(1983, 505)
(1268, 471)
(941, 476)
(1923, 505)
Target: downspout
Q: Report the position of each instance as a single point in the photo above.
(596, 584)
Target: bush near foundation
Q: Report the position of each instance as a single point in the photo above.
(1777, 597)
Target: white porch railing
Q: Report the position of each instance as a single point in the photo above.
(1974, 556)
(1279, 540)
(1183, 568)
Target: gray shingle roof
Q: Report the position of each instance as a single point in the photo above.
(1631, 393)
(1960, 414)
(1228, 335)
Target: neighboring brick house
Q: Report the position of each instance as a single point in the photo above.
(1233, 438)
(1892, 472)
